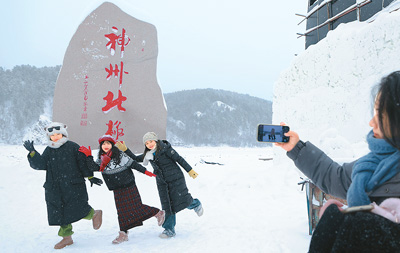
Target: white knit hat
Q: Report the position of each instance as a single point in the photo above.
(150, 136)
(56, 128)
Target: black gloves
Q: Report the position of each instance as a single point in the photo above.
(29, 146)
(95, 180)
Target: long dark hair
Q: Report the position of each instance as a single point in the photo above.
(388, 103)
(115, 152)
(158, 147)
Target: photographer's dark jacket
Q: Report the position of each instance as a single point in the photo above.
(117, 175)
(333, 178)
(171, 184)
(65, 189)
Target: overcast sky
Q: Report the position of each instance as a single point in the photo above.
(236, 45)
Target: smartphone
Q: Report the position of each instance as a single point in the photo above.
(272, 133)
(358, 209)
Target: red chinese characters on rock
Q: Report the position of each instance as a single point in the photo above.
(111, 103)
(122, 40)
(118, 131)
(84, 115)
(110, 71)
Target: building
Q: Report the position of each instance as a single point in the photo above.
(326, 15)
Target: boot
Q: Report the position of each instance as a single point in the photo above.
(167, 234)
(64, 242)
(97, 219)
(160, 217)
(199, 210)
(122, 237)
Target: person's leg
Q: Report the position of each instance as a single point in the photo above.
(197, 206)
(367, 232)
(324, 235)
(65, 232)
(169, 226)
(160, 216)
(96, 216)
(170, 222)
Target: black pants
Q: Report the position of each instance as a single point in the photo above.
(354, 232)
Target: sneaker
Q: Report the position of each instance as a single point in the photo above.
(64, 242)
(160, 217)
(122, 237)
(199, 210)
(167, 234)
(97, 219)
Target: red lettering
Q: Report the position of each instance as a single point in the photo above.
(110, 103)
(121, 40)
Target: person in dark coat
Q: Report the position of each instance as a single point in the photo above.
(65, 189)
(173, 192)
(116, 169)
(373, 182)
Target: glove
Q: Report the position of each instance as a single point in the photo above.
(95, 180)
(121, 146)
(193, 174)
(148, 173)
(105, 159)
(87, 152)
(29, 146)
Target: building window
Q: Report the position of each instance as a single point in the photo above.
(312, 2)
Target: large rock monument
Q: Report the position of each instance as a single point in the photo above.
(108, 84)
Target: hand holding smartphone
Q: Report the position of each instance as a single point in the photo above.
(272, 133)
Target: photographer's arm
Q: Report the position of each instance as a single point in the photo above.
(328, 175)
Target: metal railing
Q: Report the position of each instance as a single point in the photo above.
(354, 7)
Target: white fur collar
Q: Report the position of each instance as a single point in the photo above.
(57, 144)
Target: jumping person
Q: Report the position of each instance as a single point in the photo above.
(65, 188)
(116, 168)
(172, 189)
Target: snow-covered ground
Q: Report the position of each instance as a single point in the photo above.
(250, 205)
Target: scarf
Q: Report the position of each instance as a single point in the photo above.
(58, 143)
(113, 167)
(149, 156)
(372, 170)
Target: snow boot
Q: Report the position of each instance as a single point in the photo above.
(64, 242)
(167, 234)
(160, 217)
(199, 210)
(97, 219)
(122, 237)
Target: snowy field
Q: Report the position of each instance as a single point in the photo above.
(250, 205)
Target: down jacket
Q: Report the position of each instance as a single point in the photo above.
(334, 178)
(173, 192)
(65, 189)
(117, 176)
(352, 232)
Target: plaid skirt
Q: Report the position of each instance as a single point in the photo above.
(130, 209)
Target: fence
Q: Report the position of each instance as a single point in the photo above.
(325, 15)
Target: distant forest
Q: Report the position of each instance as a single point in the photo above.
(195, 117)
(215, 117)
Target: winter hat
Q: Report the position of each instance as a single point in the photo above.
(56, 128)
(107, 138)
(149, 136)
